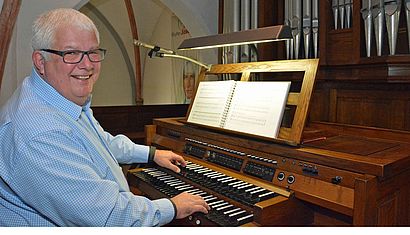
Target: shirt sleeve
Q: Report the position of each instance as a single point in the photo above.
(124, 150)
(55, 175)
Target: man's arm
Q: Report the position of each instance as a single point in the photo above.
(58, 177)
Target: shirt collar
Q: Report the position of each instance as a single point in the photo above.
(54, 98)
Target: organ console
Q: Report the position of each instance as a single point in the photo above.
(338, 175)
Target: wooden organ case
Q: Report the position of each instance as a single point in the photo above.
(324, 174)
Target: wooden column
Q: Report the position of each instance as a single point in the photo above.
(8, 17)
(134, 31)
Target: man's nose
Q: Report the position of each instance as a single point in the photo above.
(86, 62)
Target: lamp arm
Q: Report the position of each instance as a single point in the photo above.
(152, 47)
(206, 66)
(162, 52)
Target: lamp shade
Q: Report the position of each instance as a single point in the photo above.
(259, 35)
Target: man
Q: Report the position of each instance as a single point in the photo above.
(58, 167)
(188, 81)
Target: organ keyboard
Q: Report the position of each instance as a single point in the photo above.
(222, 212)
(233, 201)
(339, 178)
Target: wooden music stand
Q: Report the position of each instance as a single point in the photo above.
(300, 100)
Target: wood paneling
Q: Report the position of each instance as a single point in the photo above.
(375, 107)
(131, 120)
(338, 49)
(387, 212)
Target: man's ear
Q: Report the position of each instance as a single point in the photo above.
(38, 61)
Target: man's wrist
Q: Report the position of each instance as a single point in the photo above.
(175, 209)
(151, 154)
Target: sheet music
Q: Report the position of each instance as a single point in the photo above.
(250, 107)
(210, 102)
(258, 107)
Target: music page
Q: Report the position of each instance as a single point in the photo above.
(257, 108)
(210, 102)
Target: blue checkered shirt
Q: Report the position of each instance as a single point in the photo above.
(58, 167)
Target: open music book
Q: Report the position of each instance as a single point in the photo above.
(249, 107)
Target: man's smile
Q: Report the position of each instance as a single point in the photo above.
(81, 77)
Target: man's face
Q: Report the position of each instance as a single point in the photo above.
(74, 81)
(189, 85)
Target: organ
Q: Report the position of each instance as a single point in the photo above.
(315, 174)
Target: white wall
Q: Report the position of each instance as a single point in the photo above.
(157, 82)
(199, 16)
(116, 82)
(18, 64)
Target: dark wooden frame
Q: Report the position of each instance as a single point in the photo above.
(291, 135)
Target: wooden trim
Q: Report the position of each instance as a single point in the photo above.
(220, 26)
(150, 131)
(134, 31)
(131, 120)
(245, 76)
(365, 201)
(301, 99)
(8, 17)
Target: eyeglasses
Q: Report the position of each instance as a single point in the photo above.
(75, 56)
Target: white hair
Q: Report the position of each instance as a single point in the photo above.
(188, 68)
(45, 26)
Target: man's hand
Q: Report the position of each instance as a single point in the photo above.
(188, 204)
(169, 159)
